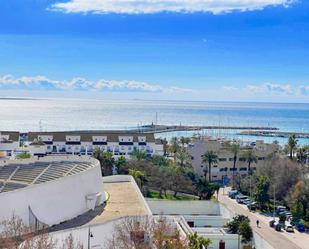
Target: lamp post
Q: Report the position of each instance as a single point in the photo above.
(90, 235)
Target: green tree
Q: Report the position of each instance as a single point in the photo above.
(183, 158)
(245, 231)
(174, 147)
(139, 176)
(178, 181)
(23, 155)
(234, 149)
(198, 242)
(184, 141)
(209, 157)
(302, 154)
(250, 158)
(292, 145)
(106, 160)
(205, 189)
(240, 225)
(262, 191)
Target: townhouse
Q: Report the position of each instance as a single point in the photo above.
(119, 143)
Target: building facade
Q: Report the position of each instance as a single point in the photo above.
(85, 143)
(9, 142)
(223, 167)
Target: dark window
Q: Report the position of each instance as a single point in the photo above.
(191, 223)
(222, 159)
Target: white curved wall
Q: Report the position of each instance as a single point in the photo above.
(54, 201)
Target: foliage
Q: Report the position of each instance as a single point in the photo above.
(138, 155)
(146, 233)
(262, 191)
(16, 235)
(245, 231)
(209, 157)
(23, 155)
(240, 224)
(250, 157)
(139, 177)
(206, 189)
(292, 144)
(106, 160)
(233, 225)
(198, 242)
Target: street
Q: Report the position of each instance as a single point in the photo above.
(279, 240)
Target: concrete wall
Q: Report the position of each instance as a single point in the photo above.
(206, 220)
(183, 207)
(54, 201)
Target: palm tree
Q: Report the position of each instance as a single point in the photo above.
(139, 177)
(302, 154)
(182, 158)
(106, 160)
(234, 148)
(174, 147)
(292, 144)
(209, 157)
(250, 158)
(198, 242)
(184, 140)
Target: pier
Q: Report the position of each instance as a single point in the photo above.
(274, 134)
(171, 128)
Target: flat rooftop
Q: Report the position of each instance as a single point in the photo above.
(124, 199)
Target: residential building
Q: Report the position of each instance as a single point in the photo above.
(225, 158)
(9, 142)
(119, 143)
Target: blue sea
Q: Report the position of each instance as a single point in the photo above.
(83, 114)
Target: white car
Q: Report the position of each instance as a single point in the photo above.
(289, 228)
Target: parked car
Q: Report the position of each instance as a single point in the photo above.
(272, 223)
(289, 228)
(246, 201)
(277, 226)
(252, 205)
(233, 193)
(241, 198)
(281, 209)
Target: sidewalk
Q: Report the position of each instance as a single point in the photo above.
(278, 240)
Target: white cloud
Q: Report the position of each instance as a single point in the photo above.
(271, 89)
(156, 6)
(44, 83)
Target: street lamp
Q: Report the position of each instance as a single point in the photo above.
(90, 235)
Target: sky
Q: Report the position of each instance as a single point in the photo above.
(204, 50)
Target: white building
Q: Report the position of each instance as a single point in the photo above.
(224, 165)
(206, 218)
(85, 143)
(9, 142)
(50, 190)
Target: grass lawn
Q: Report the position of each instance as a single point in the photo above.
(155, 195)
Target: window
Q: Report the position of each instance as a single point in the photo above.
(243, 169)
(222, 159)
(232, 169)
(231, 159)
(242, 159)
(215, 166)
(191, 223)
(261, 158)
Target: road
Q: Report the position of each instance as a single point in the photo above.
(278, 240)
